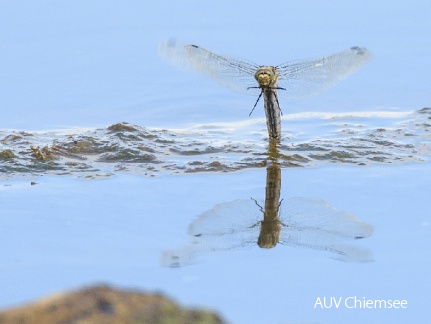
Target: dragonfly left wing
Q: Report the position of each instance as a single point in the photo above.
(235, 74)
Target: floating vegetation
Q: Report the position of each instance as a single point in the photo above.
(44, 153)
(7, 154)
(354, 139)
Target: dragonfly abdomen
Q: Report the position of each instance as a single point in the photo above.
(272, 112)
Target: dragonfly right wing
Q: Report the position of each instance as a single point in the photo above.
(310, 77)
(235, 74)
(307, 213)
(314, 224)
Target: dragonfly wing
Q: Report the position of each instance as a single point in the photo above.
(239, 217)
(310, 77)
(235, 74)
(316, 215)
(323, 241)
(227, 226)
(315, 224)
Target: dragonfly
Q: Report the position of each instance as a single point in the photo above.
(302, 222)
(291, 80)
(305, 222)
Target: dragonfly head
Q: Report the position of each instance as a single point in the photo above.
(266, 76)
(269, 234)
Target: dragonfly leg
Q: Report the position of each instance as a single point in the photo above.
(257, 204)
(279, 204)
(260, 95)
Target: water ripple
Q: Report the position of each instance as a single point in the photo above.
(310, 140)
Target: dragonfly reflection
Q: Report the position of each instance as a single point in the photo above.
(295, 79)
(298, 222)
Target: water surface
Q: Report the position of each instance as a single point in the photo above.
(109, 158)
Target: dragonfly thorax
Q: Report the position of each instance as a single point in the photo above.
(266, 76)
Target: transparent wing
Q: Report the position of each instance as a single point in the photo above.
(314, 215)
(314, 224)
(307, 222)
(235, 223)
(310, 77)
(235, 74)
(324, 241)
(227, 226)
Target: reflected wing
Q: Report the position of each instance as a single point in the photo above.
(311, 214)
(235, 74)
(229, 224)
(324, 241)
(310, 77)
(313, 223)
(182, 256)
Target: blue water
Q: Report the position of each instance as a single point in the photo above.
(75, 64)
(91, 64)
(63, 233)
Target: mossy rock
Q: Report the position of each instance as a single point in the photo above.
(103, 304)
